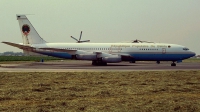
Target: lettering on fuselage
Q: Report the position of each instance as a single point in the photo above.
(162, 46)
(140, 46)
(120, 45)
(152, 46)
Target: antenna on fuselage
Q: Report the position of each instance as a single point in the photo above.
(79, 41)
(139, 41)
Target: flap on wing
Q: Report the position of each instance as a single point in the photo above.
(97, 52)
(60, 50)
(108, 54)
(18, 45)
(126, 55)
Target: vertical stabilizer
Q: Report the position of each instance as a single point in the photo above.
(29, 34)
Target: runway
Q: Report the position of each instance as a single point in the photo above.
(81, 66)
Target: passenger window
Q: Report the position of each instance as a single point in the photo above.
(185, 49)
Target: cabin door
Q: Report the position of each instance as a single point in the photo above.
(110, 50)
(164, 50)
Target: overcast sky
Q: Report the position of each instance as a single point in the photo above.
(166, 21)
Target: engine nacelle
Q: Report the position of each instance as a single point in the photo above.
(86, 56)
(113, 59)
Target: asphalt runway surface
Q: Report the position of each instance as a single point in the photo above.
(80, 66)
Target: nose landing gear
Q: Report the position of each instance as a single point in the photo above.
(173, 64)
(158, 62)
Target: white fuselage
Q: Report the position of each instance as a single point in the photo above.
(139, 51)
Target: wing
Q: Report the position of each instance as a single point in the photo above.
(60, 50)
(72, 52)
(104, 54)
(111, 54)
(29, 48)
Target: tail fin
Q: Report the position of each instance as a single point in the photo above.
(29, 34)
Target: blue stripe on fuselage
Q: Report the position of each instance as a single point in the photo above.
(160, 57)
(137, 57)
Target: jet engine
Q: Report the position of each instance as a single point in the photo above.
(86, 56)
(112, 59)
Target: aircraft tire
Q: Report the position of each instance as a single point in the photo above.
(94, 62)
(131, 61)
(158, 62)
(99, 63)
(173, 64)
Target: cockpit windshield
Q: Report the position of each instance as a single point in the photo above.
(186, 49)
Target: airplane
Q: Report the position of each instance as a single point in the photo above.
(100, 53)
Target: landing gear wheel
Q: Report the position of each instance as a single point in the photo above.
(131, 61)
(173, 64)
(158, 62)
(99, 63)
(104, 63)
(94, 62)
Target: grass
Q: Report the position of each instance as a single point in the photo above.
(101, 91)
(192, 60)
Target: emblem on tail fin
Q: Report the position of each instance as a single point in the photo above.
(25, 29)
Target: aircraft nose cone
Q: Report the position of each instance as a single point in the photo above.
(193, 54)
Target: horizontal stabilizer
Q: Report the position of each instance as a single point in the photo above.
(18, 45)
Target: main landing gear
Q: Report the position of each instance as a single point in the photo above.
(173, 64)
(132, 61)
(99, 63)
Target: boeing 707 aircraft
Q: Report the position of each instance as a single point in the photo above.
(100, 53)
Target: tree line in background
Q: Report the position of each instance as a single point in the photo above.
(20, 56)
(11, 53)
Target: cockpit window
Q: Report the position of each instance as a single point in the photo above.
(186, 49)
